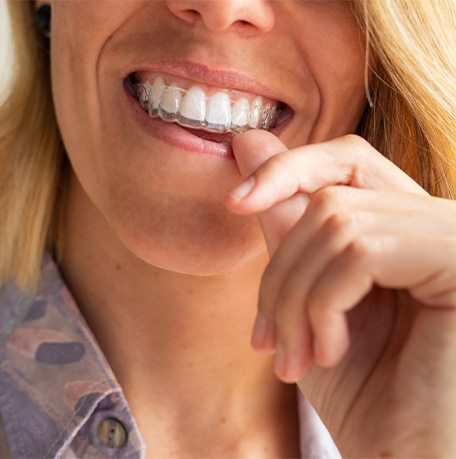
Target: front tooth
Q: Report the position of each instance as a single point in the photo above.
(255, 112)
(240, 113)
(193, 106)
(218, 114)
(155, 95)
(170, 103)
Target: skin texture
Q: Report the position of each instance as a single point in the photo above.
(167, 270)
(91, 50)
(359, 298)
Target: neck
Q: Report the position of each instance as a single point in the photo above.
(177, 343)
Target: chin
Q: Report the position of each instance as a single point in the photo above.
(208, 244)
(205, 265)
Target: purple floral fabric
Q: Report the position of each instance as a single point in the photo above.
(56, 386)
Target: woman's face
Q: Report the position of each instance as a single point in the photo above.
(162, 197)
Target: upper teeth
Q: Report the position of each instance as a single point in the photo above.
(193, 108)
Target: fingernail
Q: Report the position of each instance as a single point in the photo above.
(259, 331)
(243, 189)
(280, 364)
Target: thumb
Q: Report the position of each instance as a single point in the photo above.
(251, 149)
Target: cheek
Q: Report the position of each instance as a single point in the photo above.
(341, 81)
(339, 61)
(80, 31)
(337, 68)
(163, 206)
(78, 34)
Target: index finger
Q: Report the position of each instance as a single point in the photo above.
(349, 160)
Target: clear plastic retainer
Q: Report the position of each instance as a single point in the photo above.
(266, 117)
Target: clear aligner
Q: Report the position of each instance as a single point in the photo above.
(220, 115)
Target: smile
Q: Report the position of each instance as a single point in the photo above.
(203, 107)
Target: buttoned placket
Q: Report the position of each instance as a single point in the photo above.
(110, 432)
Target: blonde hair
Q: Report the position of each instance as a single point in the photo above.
(412, 121)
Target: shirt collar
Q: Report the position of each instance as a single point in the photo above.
(52, 371)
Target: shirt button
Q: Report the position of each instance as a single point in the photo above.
(112, 433)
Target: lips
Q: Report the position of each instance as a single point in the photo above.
(199, 139)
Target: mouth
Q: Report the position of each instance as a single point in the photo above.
(210, 113)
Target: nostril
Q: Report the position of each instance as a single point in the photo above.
(183, 10)
(245, 26)
(189, 15)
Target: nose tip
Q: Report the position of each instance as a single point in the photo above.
(249, 16)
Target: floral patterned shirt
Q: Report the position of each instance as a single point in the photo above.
(58, 395)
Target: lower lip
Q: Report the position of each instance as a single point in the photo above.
(173, 134)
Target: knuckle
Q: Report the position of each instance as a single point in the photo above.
(326, 199)
(360, 248)
(363, 153)
(354, 140)
(339, 223)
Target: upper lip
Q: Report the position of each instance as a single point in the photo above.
(202, 73)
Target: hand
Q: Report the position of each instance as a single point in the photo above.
(359, 298)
